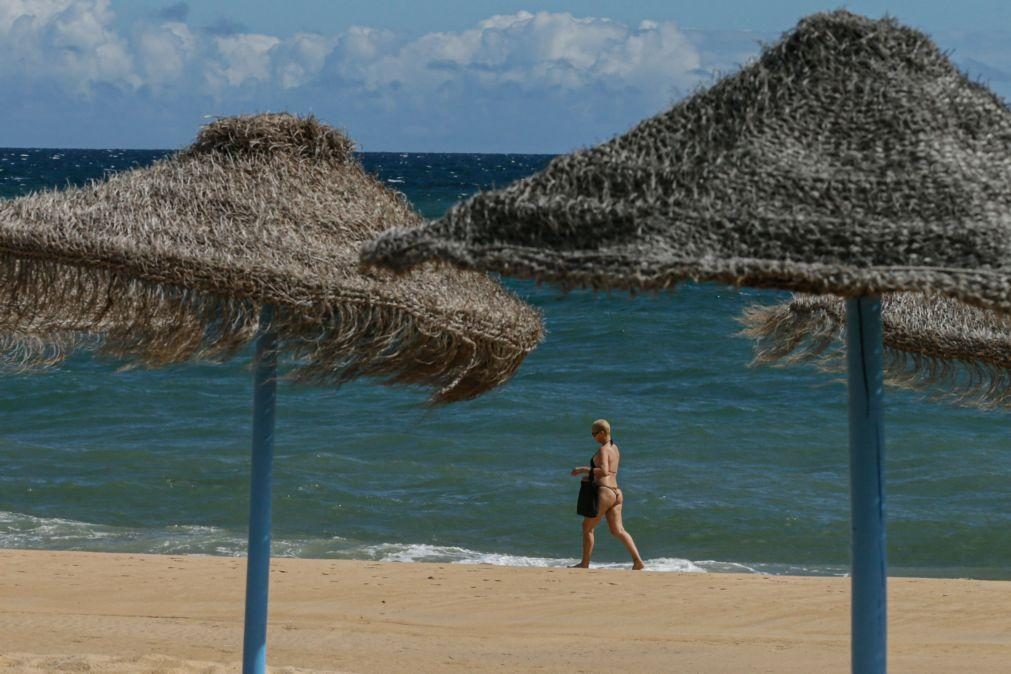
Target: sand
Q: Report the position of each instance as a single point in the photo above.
(100, 612)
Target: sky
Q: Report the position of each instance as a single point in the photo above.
(544, 76)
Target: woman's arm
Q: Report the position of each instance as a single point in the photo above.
(580, 470)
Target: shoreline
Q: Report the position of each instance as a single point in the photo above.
(181, 613)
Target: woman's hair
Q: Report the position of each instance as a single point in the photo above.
(601, 425)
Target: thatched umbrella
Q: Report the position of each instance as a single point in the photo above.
(251, 232)
(851, 158)
(936, 345)
(267, 209)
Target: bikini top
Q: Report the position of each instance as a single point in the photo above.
(593, 478)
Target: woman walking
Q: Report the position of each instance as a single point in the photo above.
(603, 472)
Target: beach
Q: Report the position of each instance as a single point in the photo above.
(396, 550)
(80, 611)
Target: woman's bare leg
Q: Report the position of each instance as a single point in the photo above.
(618, 530)
(588, 525)
(605, 502)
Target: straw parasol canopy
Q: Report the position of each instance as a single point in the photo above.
(173, 262)
(932, 344)
(850, 158)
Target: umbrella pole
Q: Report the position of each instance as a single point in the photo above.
(867, 495)
(254, 639)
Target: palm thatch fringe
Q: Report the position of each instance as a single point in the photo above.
(354, 340)
(153, 325)
(60, 308)
(21, 353)
(939, 346)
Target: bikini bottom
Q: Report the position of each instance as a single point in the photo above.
(616, 490)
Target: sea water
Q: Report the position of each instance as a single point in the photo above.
(724, 467)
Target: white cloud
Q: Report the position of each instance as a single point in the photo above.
(526, 82)
(164, 53)
(69, 42)
(532, 51)
(242, 59)
(300, 58)
(29, 10)
(74, 43)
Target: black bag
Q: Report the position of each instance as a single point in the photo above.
(587, 505)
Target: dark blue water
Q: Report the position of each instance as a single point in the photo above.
(724, 467)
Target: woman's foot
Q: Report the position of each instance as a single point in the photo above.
(638, 566)
(579, 565)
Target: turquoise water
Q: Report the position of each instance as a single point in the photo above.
(724, 467)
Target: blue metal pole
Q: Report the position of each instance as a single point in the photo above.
(867, 493)
(254, 639)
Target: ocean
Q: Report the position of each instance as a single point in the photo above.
(724, 467)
